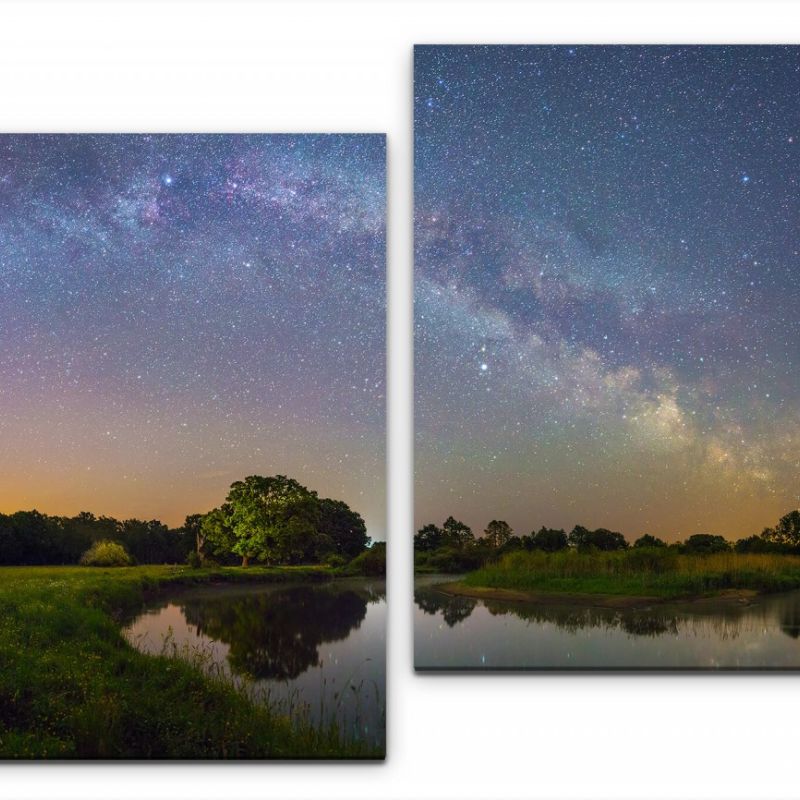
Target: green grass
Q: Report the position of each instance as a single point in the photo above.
(639, 573)
(72, 687)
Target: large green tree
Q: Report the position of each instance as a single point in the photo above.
(273, 519)
(277, 520)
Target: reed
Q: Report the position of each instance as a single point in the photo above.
(658, 572)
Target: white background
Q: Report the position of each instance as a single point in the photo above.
(346, 66)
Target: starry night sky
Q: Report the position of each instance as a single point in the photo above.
(608, 287)
(177, 312)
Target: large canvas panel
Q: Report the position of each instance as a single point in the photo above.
(607, 352)
(192, 424)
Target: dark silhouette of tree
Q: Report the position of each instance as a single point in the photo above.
(550, 540)
(702, 543)
(28, 537)
(457, 534)
(647, 540)
(758, 544)
(193, 530)
(428, 537)
(604, 539)
(497, 533)
(345, 528)
(516, 543)
(579, 537)
(148, 542)
(600, 539)
(786, 532)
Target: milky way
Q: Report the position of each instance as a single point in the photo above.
(607, 287)
(177, 312)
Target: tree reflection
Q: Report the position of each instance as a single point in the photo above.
(454, 609)
(651, 622)
(276, 635)
(790, 620)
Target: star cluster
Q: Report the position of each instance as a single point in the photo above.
(179, 311)
(607, 282)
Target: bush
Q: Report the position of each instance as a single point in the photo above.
(370, 562)
(193, 560)
(106, 553)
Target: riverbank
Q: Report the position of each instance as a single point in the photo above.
(628, 578)
(585, 599)
(72, 687)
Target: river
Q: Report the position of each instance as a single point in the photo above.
(464, 633)
(314, 650)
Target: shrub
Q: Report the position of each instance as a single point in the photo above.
(106, 553)
(193, 560)
(370, 562)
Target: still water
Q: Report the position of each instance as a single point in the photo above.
(317, 651)
(462, 633)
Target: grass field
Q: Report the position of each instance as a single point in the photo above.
(72, 687)
(639, 572)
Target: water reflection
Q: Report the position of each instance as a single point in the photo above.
(317, 650)
(454, 609)
(453, 632)
(277, 635)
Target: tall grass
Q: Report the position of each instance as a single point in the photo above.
(71, 686)
(294, 707)
(639, 572)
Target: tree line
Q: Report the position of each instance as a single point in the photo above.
(271, 520)
(32, 538)
(454, 547)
